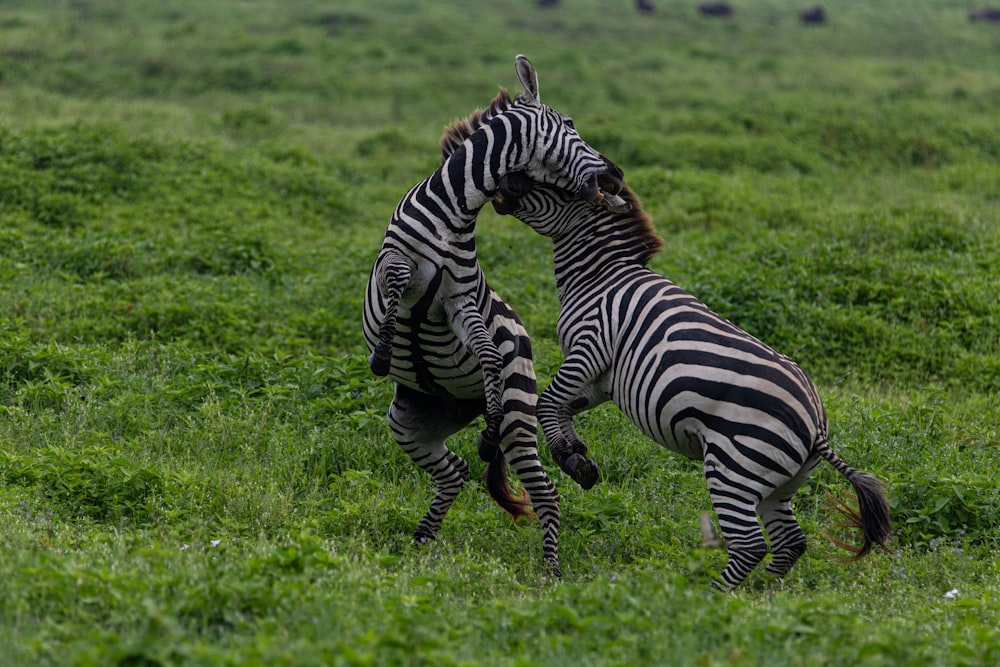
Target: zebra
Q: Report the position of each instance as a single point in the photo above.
(687, 378)
(447, 340)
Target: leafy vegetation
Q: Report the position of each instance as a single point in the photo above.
(194, 463)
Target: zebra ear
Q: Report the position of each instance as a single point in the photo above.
(529, 79)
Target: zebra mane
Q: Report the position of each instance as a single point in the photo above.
(461, 129)
(642, 234)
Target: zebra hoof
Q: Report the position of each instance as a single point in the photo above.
(487, 449)
(379, 364)
(422, 538)
(583, 470)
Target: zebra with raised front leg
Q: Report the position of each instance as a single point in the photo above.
(688, 378)
(450, 344)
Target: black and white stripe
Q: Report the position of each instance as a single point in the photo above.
(688, 378)
(452, 346)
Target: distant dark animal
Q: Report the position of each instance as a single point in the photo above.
(644, 6)
(687, 378)
(815, 15)
(715, 9)
(990, 15)
(447, 340)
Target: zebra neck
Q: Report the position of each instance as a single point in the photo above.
(577, 268)
(585, 260)
(469, 181)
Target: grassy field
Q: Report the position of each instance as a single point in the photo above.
(194, 463)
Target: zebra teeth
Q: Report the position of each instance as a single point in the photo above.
(613, 203)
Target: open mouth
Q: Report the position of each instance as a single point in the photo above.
(600, 186)
(611, 181)
(609, 185)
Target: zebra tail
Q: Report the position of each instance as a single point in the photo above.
(395, 273)
(498, 484)
(380, 360)
(871, 517)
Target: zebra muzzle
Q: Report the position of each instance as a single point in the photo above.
(612, 180)
(610, 183)
(590, 190)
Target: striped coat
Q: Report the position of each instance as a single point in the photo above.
(434, 326)
(687, 378)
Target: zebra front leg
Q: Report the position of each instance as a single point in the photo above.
(584, 470)
(568, 451)
(393, 276)
(571, 391)
(470, 327)
(420, 424)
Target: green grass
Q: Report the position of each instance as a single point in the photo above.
(194, 463)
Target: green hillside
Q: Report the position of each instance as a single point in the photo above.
(194, 463)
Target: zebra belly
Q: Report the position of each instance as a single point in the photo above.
(429, 357)
(753, 456)
(688, 441)
(691, 409)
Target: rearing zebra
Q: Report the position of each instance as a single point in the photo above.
(453, 348)
(689, 379)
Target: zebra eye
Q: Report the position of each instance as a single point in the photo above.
(569, 122)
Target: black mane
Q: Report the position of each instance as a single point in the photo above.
(461, 129)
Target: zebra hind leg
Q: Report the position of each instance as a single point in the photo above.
(420, 424)
(788, 542)
(450, 475)
(745, 544)
(521, 454)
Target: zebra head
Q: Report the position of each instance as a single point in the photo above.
(541, 210)
(550, 211)
(552, 150)
(513, 186)
(522, 135)
(616, 225)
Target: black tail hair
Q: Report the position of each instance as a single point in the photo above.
(871, 517)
